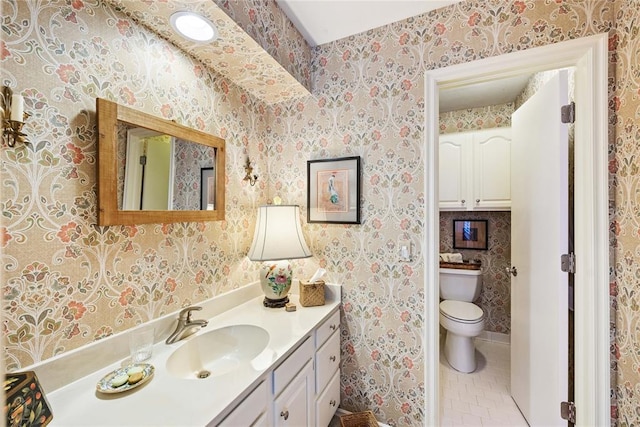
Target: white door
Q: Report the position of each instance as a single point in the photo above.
(157, 172)
(539, 235)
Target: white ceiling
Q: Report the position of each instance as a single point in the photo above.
(493, 92)
(324, 21)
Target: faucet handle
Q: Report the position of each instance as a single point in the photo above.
(185, 313)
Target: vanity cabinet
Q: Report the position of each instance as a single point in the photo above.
(303, 390)
(307, 384)
(475, 170)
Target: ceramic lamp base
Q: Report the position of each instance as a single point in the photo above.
(275, 280)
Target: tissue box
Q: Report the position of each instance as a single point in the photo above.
(311, 293)
(25, 404)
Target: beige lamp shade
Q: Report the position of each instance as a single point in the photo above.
(278, 234)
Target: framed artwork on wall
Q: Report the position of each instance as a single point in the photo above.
(333, 190)
(207, 189)
(470, 234)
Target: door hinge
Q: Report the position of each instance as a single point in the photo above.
(143, 160)
(568, 113)
(568, 411)
(568, 263)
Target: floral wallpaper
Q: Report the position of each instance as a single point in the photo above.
(495, 297)
(488, 117)
(67, 282)
(188, 178)
(624, 181)
(267, 24)
(368, 101)
(254, 58)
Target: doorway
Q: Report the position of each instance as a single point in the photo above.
(589, 56)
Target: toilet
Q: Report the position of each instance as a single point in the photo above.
(462, 319)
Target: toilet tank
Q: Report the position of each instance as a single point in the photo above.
(460, 285)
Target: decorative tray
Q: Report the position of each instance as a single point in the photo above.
(461, 265)
(115, 382)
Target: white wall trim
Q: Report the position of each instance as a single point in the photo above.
(589, 56)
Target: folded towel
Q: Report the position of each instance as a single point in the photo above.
(451, 257)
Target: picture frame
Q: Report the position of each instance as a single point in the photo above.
(333, 190)
(207, 189)
(470, 234)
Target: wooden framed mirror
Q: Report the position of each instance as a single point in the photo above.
(152, 170)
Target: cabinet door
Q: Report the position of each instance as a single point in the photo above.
(454, 165)
(327, 361)
(252, 411)
(328, 402)
(492, 169)
(294, 406)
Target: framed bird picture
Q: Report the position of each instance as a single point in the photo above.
(333, 190)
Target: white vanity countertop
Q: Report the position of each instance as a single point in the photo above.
(170, 401)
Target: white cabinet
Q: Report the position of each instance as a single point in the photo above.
(302, 390)
(306, 385)
(475, 170)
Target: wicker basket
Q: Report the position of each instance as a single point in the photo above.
(359, 419)
(311, 294)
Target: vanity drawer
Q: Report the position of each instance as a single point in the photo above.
(327, 361)
(329, 326)
(288, 369)
(328, 402)
(251, 410)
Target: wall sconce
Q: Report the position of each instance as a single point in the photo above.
(248, 177)
(13, 117)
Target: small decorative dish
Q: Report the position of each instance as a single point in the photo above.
(125, 378)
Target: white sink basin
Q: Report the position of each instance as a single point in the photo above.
(217, 352)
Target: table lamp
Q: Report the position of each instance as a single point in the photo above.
(277, 239)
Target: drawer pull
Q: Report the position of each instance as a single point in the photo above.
(332, 403)
(332, 327)
(285, 415)
(332, 358)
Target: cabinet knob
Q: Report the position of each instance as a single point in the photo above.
(332, 403)
(333, 327)
(478, 201)
(332, 358)
(463, 201)
(285, 415)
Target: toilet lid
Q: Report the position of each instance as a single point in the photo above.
(461, 311)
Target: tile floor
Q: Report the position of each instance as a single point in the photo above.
(481, 398)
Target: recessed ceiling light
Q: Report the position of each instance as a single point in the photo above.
(194, 27)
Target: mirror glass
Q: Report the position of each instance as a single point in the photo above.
(158, 171)
(151, 170)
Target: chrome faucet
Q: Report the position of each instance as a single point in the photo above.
(185, 325)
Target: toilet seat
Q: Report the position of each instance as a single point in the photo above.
(462, 312)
